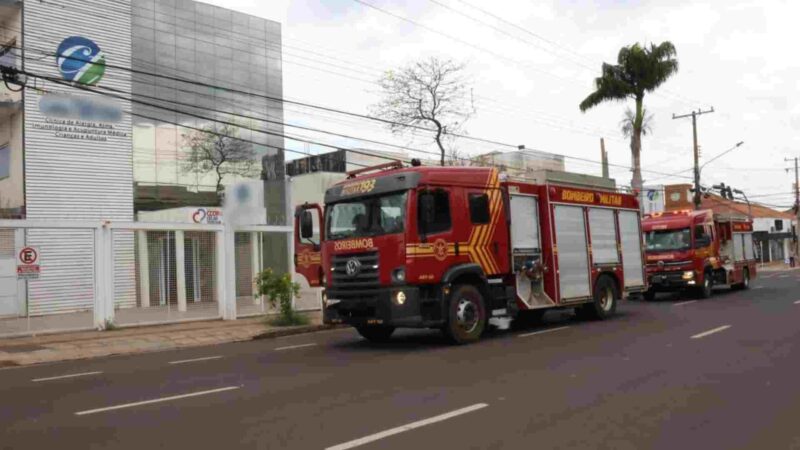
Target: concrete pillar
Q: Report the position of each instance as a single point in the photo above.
(255, 263)
(226, 273)
(180, 270)
(144, 269)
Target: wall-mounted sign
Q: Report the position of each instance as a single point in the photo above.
(80, 60)
(207, 215)
(28, 264)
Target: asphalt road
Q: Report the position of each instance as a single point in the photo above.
(716, 374)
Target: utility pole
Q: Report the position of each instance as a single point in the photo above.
(796, 205)
(604, 157)
(694, 115)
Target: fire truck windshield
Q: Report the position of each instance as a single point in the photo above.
(666, 240)
(367, 216)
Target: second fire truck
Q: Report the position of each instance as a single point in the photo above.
(696, 250)
(455, 247)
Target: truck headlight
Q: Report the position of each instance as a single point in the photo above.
(399, 275)
(400, 297)
(688, 275)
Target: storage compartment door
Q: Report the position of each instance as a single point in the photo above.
(604, 236)
(573, 257)
(524, 224)
(631, 239)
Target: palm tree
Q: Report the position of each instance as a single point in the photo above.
(638, 70)
(627, 122)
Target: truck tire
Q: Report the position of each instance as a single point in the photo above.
(745, 284)
(606, 295)
(466, 315)
(375, 333)
(706, 289)
(649, 295)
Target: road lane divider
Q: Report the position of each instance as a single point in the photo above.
(543, 331)
(797, 302)
(62, 377)
(155, 400)
(685, 303)
(710, 332)
(291, 347)
(205, 358)
(407, 427)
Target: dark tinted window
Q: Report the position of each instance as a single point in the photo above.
(439, 220)
(479, 208)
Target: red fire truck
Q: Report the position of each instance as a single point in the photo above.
(455, 247)
(696, 250)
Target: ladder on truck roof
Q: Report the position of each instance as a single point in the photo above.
(396, 164)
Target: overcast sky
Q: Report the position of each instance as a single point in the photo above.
(737, 56)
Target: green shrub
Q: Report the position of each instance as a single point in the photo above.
(280, 290)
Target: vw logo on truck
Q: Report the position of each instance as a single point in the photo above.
(353, 267)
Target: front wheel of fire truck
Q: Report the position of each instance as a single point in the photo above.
(604, 305)
(375, 333)
(466, 315)
(706, 289)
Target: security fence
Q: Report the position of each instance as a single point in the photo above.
(97, 274)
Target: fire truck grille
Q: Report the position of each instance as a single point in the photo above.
(365, 277)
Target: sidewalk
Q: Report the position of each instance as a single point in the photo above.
(92, 344)
(775, 267)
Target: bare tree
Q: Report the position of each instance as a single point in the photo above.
(430, 93)
(218, 149)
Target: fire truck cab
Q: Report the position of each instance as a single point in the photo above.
(696, 250)
(455, 247)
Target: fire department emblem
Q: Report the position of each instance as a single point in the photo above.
(440, 249)
(353, 267)
(661, 264)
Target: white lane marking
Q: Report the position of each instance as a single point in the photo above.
(759, 287)
(543, 331)
(784, 276)
(184, 361)
(715, 330)
(157, 400)
(61, 377)
(407, 427)
(797, 302)
(685, 303)
(289, 347)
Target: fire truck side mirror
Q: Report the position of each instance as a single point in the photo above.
(306, 225)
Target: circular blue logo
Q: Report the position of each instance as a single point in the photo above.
(80, 60)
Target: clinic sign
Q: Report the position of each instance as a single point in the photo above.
(28, 263)
(211, 216)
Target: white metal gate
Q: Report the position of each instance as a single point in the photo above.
(8, 273)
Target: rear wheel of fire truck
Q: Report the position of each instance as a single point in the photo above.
(706, 289)
(604, 305)
(649, 295)
(745, 284)
(375, 333)
(466, 315)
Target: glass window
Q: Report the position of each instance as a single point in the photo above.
(438, 212)
(664, 240)
(369, 216)
(5, 161)
(479, 208)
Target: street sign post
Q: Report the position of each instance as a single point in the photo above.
(28, 264)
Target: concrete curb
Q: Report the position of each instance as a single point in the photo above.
(290, 331)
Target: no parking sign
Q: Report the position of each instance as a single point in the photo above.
(28, 267)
